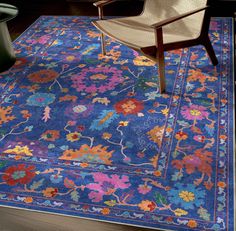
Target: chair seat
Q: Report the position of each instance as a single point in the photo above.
(137, 30)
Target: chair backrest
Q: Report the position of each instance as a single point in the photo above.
(157, 10)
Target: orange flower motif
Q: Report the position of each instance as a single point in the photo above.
(181, 135)
(50, 135)
(43, 76)
(192, 224)
(224, 101)
(84, 165)
(28, 200)
(157, 173)
(223, 137)
(221, 184)
(92, 34)
(123, 123)
(33, 87)
(18, 157)
(169, 129)
(105, 211)
(85, 153)
(26, 114)
(129, 106)
(5, 114)
(50, 192)
(106, 136)
(147, 206)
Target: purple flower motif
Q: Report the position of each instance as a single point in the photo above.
(99, 79)
(41, 40)
(194, 112)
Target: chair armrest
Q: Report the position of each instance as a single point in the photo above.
(100, 5)
(103, 3)
(175, 18)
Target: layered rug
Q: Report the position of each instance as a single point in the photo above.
(90, 136)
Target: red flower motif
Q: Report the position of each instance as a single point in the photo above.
(19, 174)
(129, 106)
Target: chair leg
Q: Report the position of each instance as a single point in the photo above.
(160, 59)
(210, 51)
(103, 44)
(161, 70)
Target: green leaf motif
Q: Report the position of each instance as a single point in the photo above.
(2, 164)
(36, 184)
(204, 214)
(160, 199)
(110, 203)
(75, 196)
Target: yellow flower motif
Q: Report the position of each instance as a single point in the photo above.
(123, 123)
(180, 212)
(187, 196)
(143, 61)
(74, 136)
(65, 90)
(55, 43)
(165, 111)
(70, 58)
(195, 112)
(20, 150)
(106, 135)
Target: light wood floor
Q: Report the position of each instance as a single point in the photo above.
(22, 220)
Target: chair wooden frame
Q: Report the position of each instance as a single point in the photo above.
(156, 53)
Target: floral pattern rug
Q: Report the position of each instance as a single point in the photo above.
(88, 135)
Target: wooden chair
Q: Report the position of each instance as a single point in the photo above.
(162, 26)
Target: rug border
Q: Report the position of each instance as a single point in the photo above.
(234, 109)
(233, 144)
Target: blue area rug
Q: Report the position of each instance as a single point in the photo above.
(90, 136)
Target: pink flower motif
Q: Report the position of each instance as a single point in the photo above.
(144, 189)
(71, 123)
(43, 39)
(127, 159)
(99, 79)
(106, 185)
(194, 112)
